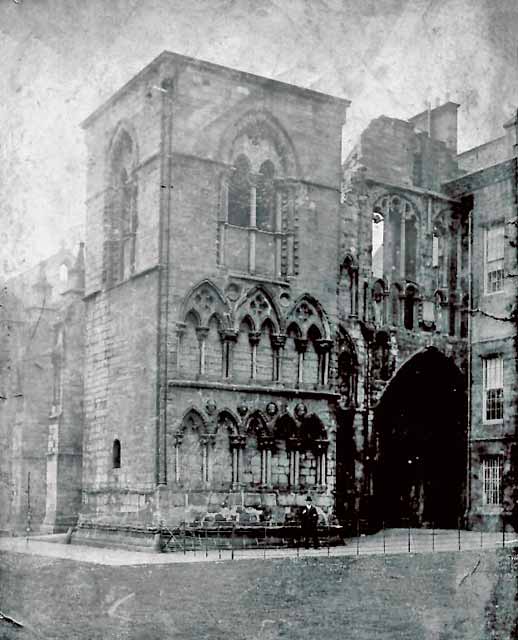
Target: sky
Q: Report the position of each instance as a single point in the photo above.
(60, 59)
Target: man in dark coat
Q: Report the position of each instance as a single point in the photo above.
(309, 521)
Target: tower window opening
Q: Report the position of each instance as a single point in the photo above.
(116, 454)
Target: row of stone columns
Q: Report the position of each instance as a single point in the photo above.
(265, 445)
(229, 337)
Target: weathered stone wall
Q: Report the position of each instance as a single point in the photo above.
(199, 110)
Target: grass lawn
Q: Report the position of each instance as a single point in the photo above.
(438, 596)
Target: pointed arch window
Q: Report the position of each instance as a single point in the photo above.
(120, 243)
(256, 221)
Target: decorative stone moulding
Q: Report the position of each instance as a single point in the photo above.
(211, 407)
(242, 409)
(301, 410)
(271, 409)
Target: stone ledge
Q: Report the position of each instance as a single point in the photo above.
(279, 391)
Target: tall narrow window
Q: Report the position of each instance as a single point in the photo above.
(63, 273)
(265, 207)
(452, 316)
(120, 243)
(116, 454)
(378, 302)
(395, 314)
(410, 308)
(410, 241)
(397, 237)
(493, 388)
(239, 193)
(439, 257)
(378, 224)
(492, 467)
(494, 259)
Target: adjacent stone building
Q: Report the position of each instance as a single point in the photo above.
(442, 287)
(489, 193)
(41, 395)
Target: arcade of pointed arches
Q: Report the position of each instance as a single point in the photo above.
(253, 341)
(395, 297)
(269, 449)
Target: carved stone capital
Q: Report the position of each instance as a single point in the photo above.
(278, 340)
(254, 337)
(301, 344)
(237, 441)
(265, 442)
(323, 345)
(180, 328)
(228, 335)
(321, 445)
(202, 333)
(293, 443)
(206, 439)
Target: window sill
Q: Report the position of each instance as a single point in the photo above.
(249, 228)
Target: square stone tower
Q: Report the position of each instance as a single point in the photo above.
(213, 210)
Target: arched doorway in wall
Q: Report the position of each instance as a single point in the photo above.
(420, 435)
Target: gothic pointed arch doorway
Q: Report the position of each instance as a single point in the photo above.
(420, 444)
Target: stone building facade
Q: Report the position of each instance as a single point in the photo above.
(443, 432)
(489, 189)
(407, 237)
(41, 416)
(258, 322)
(213, 210)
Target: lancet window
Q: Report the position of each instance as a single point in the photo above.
(121, 210)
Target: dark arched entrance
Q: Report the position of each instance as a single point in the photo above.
(419, 430)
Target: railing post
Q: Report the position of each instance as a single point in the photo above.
(358, 537)
(409, 551)
(433, 536)
(264, 546)
(384, 540)
(206, 548)
(458, 533)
